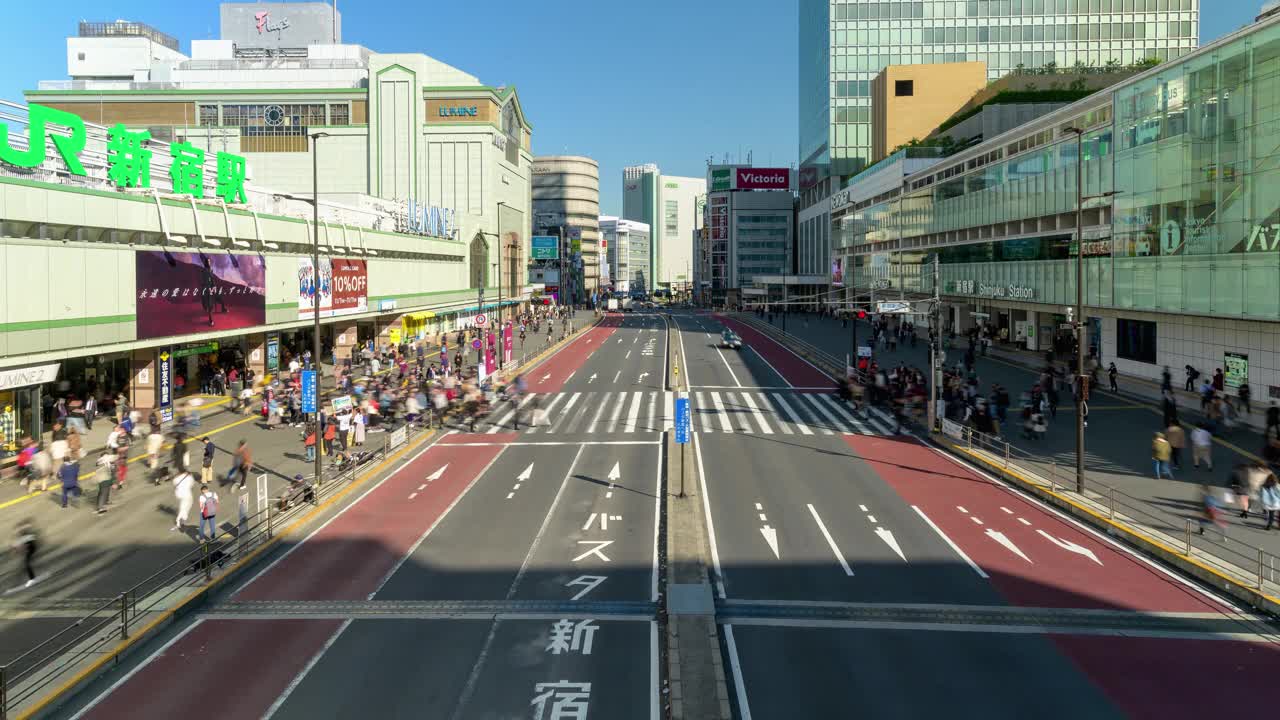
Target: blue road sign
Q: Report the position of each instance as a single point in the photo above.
(683, 423)
(308, 391)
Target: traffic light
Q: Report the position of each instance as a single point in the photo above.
(862, 314)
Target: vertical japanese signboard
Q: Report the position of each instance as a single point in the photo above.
(164, 385)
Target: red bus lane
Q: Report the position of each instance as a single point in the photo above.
(348, 558)
(1034, 557)
(550, 376)
(222, 668)
(793, 368)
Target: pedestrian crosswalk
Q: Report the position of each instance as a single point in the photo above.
(713, 411)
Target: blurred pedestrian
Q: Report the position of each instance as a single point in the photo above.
(1111, 377)
(208, 513)
(102, 477)
(70, 477)
(1270, 497)
(1201, 445)
(183, 483)
(26, 545)
(1160, 454)
(1210, 509)
(1177, 438)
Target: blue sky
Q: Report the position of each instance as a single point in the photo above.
(663, 81)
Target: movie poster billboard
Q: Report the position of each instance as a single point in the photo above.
(837, 272)
(343, 285)
(181, 293)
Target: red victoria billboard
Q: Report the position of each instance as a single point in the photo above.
(764, 179)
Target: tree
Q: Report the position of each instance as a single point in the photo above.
(1147, 63)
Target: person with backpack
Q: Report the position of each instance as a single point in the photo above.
(208, 512)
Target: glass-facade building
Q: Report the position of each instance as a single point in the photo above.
(843, 45)
(1187, 249)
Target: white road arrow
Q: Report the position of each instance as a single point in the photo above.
(643, 375)
(889, 540)
(1071, 547)
(771, 537)
(615, 473)
(525, 475)
(436, 475)
(591, 379)
(1000, 538)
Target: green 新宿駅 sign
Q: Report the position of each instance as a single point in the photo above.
(544, 247)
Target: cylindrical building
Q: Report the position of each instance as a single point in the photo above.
(566, 192)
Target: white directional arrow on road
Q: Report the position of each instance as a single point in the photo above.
(615, 473)
(643, 375)
(771, 537)
(591, 379)
(1071, 547)
(889, 540)
(436, 475)
(525, 475)
(1000, 538)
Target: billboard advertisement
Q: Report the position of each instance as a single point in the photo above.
(343, 286)
(837, 272)
(763, 179)
(183, 293)
(720, 179)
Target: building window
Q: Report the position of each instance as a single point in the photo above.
(904, 88)
(479, 262)
(340, 114)
(273, 127)
(671, 217)
(208, 115)
(1136, 340)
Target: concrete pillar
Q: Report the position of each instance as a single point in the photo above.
(255, 353)
(1033, 330)
(142, 379)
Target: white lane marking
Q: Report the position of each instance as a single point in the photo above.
(546, 521)
(706, 510)
(703, 412)
(657, 510)
(791, 415)
(721, 413)
(636, 340)
(297, 680)
(838, 407)
(136, 669)
(628, 357)
(833, 424)
(1006, 510)
(564, 413)
(413, 495)
(725, 360)
(763, 518)
(975, 519)
(949, 541)
(668, 411)
(871, 518)
(771, 367)
(617, 375)
(634, 414)
(595, 419)
(570, 376)
(759, 506)
(961, 509)
(422, 487)
(744, 710)
(831, 541)
(650, 415)
(550, 409)
(617, 411)
(767, 402)
(654, 691)
(1023, 521)
(759, 416)
(863, 508)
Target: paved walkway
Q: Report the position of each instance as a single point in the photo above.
(1117, 441)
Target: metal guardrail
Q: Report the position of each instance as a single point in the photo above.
(23, 678)
(1249, 564)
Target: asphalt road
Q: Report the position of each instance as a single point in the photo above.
(861, 573)
(495, 574)
(513, 573)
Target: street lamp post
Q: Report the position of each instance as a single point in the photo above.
(315, 295)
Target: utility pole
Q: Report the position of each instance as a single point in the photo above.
(1081, 380)
(934, 346)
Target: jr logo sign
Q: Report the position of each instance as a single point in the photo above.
(68, 146)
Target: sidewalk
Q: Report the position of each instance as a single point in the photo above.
(1117, 440)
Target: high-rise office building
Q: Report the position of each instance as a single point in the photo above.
(843, 45)
(668, 205)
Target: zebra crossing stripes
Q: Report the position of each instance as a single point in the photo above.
(716, 411)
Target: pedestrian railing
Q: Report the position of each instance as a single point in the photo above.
(96, 637)
(1245, 563)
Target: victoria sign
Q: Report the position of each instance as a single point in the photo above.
(764, 179)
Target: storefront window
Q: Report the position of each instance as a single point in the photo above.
(1136, 340)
